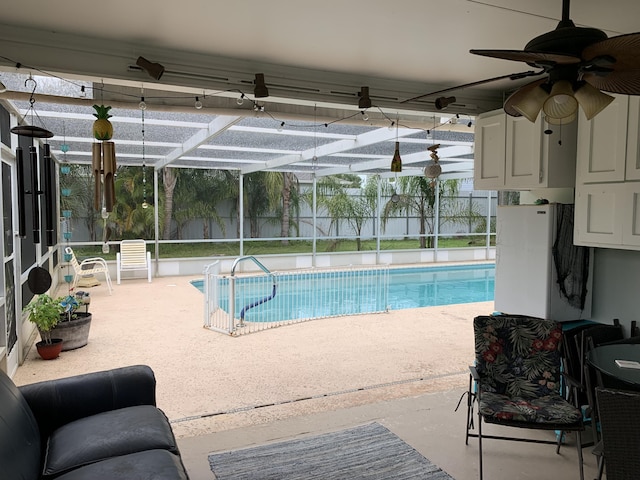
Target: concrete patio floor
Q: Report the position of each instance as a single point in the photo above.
(405, 369)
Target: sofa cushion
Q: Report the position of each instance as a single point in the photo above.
(19, 434)
(149, 465)
(105, 435)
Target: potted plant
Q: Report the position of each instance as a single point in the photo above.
(74, 325)
(45, 312)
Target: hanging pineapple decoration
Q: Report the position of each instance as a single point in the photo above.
(103, 161)
(102, 128)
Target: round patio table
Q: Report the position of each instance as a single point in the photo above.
(604, 358)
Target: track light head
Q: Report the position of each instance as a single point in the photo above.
(155, 70)
(260, 90)
(444, 102)
(364, 102)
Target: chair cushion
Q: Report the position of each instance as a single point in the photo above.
(149, 465)
(552, 409)
(517, 355)
(105, 435)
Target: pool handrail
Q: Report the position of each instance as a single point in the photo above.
(254, 303)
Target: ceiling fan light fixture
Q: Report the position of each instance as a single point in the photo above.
(531, 104)
(561, 103)
(561, 121)
(592, 100)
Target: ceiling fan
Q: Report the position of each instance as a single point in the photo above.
(579, 62)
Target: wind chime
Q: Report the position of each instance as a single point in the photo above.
(143, 107)
(103, 161)
(33, 131)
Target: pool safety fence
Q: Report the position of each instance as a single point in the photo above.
(248, 303)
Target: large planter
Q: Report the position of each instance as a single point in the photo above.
(74, 333)
(49, 351)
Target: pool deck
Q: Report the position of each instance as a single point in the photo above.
(331, 362)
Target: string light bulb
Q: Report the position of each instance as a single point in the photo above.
(240, 99)
(142, 105)
(365, 117)
(83, 92)
(198, 104)
(281, 126)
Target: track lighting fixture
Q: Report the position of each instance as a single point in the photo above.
(444, 102)
(364, 102)
(260, 90)
(155, 70)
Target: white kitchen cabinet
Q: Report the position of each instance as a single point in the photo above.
(608, 215)
(633, 140)
(489, 151)
(512, 153)
(602, 143)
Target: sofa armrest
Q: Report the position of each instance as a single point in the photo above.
(57, 402)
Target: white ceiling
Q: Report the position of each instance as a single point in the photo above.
(416, 46)
(315, 55)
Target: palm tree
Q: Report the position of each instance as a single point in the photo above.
(283, 191)
(169, 181)
(79, 180)
(335, 194)
(130, 218)
(202, 192)
(418, 194)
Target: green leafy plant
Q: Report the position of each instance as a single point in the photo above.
(68, 306)
(45, 312)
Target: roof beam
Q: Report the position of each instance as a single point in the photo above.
(216, 127)
(362, 140)
(447, 152)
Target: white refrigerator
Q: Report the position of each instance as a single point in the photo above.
(526, 280)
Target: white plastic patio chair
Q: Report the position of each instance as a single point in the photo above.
(88, 267)
(133, 255)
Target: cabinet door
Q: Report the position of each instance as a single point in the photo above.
(602, 143)
(489, 151)
(523, 153)
(631, 221)
(633, 140)
(599, 214)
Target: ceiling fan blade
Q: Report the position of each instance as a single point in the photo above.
(519, 96)
(537, 59)
(613, 65)
(511, 76)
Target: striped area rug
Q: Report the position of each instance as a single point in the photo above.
(364, 452)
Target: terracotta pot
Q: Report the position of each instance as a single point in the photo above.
(49, 351)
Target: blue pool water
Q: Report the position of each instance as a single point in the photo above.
(322, 294)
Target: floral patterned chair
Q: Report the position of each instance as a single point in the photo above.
(516, 380)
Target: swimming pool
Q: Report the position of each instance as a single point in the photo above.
(322, 294)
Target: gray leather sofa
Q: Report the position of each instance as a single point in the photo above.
(98, 426)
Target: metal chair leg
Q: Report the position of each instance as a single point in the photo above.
(580, 459)
(480, 443)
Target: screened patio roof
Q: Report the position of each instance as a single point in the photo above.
(246, 138)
